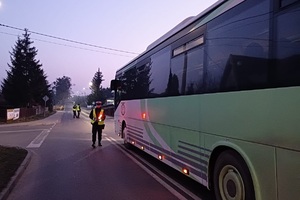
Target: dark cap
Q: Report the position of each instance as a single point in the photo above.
(98, 103)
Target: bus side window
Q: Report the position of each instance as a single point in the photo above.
(194, 74)
(142, 88)
(245, 73)
(284, 3)
(242, 32)
(288, 46)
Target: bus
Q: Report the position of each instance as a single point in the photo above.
(218, 99)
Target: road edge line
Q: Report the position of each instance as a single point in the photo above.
(157, 178)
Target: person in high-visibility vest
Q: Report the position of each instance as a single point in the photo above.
(97, 117)
(74, 110)
(78, 109)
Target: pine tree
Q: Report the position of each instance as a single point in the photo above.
(26, 83)
(96, 88)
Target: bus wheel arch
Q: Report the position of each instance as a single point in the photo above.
(229, 175)
(124, 136)
(123, 129)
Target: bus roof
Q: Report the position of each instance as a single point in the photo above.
(186, 22)
(183, 24)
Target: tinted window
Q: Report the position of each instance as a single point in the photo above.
(160, 66)
(287, 2)
(143, 81)
(288, 48)
(194, 74)
(175, 75)
(237, 41)
(129, 84)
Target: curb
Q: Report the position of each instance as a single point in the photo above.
(13, 181)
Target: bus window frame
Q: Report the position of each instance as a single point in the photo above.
(199, 32)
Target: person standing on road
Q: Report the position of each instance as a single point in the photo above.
(74, 110)
(97, 117)
(78, 109)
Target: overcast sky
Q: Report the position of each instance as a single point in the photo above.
(125, 26)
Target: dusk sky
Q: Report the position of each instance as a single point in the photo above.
(126, 27)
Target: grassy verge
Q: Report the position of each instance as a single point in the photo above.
(10, 160)
(12, 157)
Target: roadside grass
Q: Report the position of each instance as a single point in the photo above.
(10, 160)
(12, 157)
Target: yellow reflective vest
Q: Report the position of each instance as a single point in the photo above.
(100, 121)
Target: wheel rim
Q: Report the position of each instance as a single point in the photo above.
(231, 184)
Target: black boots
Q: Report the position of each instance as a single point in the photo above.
(99, 144)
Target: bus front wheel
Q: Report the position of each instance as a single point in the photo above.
(232, 179)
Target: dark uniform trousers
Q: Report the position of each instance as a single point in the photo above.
(97, 129)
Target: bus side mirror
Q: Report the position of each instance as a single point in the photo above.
(115, 84)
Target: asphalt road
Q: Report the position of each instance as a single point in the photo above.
(64, 165)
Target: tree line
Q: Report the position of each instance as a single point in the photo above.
(26, 84)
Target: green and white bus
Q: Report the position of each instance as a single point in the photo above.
(218, 98)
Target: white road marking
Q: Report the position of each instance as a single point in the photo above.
(38, 141)
(27, 130)
(163, 183)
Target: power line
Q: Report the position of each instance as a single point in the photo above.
(76, 47)
(68, 40)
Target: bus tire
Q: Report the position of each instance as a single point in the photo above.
(231, 178)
